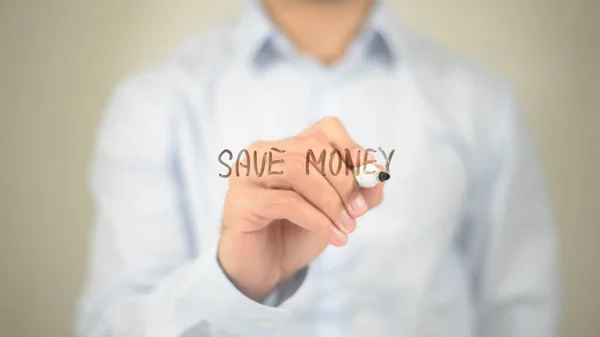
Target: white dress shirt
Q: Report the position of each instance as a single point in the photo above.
(463, 244)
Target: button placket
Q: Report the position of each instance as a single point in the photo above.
(330, 299)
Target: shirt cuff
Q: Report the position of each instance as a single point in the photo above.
(286, 290)
(224, 307)
(273, 299)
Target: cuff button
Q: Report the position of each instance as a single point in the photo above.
(265, 323)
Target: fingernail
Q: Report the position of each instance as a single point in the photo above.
(348, 223)
(358, 204)
(339, 237)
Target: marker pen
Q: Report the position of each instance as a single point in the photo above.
(370, 175)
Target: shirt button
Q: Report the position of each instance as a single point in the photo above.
(265, 323)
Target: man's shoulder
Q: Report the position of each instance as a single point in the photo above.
(189, 62)
(201, 52)
(151, 99)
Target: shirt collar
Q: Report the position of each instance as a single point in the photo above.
(260, 42)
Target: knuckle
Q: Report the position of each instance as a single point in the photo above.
(290, 200)
(301, 140)
(268, 200)
(331, 121)
(319, 139)
(276, 181)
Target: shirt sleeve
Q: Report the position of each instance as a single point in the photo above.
(147, 275)
(516, 272)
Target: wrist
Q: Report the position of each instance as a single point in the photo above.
(250, 276)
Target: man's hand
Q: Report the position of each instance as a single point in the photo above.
(274, 225)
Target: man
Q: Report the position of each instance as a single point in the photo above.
(462, 245)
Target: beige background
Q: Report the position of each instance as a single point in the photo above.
(60, 59)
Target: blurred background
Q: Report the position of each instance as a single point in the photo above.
(60, 59)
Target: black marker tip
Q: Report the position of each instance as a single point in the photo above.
(383, 176)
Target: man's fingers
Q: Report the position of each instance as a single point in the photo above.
(314, 188)
(373, 196)
(341, 177)
(270, 204)
(321, 176)
(315, 166)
